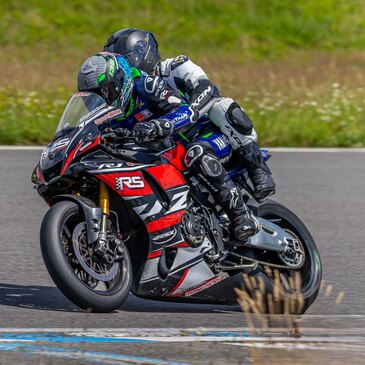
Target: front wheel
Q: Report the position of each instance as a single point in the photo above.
(298, 283)
(87, 281)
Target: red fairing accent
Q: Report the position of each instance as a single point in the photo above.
(167, 176)
(79, 148)
(154, 254)
(123, 188)
(192, 291)
(166, 221)
(176, 156)
(96, 142)
(179, 283)
(70, 157)
(40, 175)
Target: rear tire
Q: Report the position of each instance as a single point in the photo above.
(62, 218)
(311, 270)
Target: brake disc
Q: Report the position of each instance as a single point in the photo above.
(96, 268)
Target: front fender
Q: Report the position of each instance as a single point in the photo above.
(91, 211)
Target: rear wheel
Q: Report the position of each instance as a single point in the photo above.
(88, 281)
(295, 276)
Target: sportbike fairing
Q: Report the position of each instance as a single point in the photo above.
(153, 191)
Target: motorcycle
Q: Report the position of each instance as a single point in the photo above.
(127, 217)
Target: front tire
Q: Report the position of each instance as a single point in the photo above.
(59, 257)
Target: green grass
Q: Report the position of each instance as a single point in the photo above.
(43, 43)
(28, 117)
(257, 27)
(336, 120)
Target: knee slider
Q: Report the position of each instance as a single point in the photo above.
(211, 166)
(238, 119)
(201, 158)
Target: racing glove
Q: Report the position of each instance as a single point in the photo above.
(112, 135)
(148, 131)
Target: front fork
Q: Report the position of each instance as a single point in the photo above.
(104, 204)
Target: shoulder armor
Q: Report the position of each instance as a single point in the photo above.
(152, 84)
(177, 61)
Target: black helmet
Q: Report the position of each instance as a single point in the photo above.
(139, 46)
(108, 75)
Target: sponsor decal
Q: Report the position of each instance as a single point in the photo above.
(159, 87)
(139, 103)
(86, 116)
(110, 165)
(131, 182)
(59, 145)
(147, 210)
(200, 97)
(111, 114)
(143, 115)
(82, 94)
(220, 143)
(225, 159)
(233, 135)
(202, 287)
(126, 166)
(164, 237)
(180, 118)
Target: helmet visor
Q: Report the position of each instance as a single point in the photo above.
(112, 91)
(137, 54)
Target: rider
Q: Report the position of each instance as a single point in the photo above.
(152, 110)
(141, 49)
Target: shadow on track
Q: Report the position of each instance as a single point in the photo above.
(135, 304)
(35, 297)
(49, 298)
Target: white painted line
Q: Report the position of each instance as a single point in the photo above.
(305, 331)
(209, 338)
(316, 339)
(333, 347)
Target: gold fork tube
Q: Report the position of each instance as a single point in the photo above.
(104, 198)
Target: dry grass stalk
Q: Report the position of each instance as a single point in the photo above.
(340, 297)
(328, 290)
(255, 299)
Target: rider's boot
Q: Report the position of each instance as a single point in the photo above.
(230, 199)
(258, 171)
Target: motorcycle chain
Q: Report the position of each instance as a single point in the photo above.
(276, 266)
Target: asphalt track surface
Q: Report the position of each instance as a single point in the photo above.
(326, 189)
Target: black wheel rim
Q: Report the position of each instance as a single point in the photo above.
(70, 221)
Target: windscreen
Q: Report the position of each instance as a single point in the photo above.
(81, 107)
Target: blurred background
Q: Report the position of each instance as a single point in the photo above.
(296, 67)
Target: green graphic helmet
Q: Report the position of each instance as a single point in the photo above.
(108, 75)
